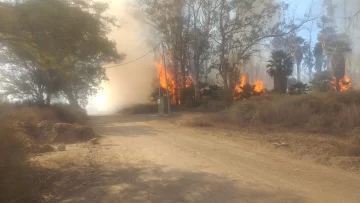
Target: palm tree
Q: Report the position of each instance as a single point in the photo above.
(298, 55)
(280, 67)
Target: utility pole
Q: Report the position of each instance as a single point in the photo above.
(166, 81)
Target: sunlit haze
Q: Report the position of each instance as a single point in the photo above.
(128, 84)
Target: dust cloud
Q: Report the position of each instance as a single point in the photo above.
(132, 83)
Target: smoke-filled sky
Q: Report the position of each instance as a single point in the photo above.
(132, 83)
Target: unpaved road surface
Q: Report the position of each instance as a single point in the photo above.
(144, 159)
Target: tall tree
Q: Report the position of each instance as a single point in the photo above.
(298, 55)
(241, 25)
(319, 57)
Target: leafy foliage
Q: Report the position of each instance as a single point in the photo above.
(57, 51)
(299, 88)
(280, 62)
(321, 81)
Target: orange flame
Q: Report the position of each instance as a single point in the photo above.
(170, 81)
(174, 91)
(258, 86)
(344, 84)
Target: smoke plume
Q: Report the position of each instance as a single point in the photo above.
(132, 83)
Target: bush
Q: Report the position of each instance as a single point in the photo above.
(33, 115)
(321, 82)
(337, 113)
(69, 114)
(298, 88)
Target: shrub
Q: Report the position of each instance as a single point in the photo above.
(321, 82)
(69, 114)
(33, 115)
(291, 81)
(298, 88)
(211, 92)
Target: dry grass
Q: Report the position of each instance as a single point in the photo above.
(20, 180)
(322, 126)
(331, 113)
(17, 180)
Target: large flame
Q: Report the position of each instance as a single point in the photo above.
(344, 84)
(170, 81)
(258, 86)
(166, 80)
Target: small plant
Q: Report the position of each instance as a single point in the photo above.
(291, 81)
(298, 88)
(211, 92)
(321, 82)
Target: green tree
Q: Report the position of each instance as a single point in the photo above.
(63, 41)
(280, 67)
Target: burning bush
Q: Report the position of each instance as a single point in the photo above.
(324, 82)
(244, 90)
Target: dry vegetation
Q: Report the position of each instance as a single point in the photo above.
(28, 130)
(328, 113)
(322, 126)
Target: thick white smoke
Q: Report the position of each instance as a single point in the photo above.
(132, 83)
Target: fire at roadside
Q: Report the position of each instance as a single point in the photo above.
(241, 91)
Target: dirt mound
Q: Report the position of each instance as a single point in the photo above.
(68, 133)
(356, 140)
(49, 132)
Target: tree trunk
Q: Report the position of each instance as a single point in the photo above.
(298, 71)
(197, 91)
(72, 101)
(48, 99)
(283, 84)
(276, 83)
(280, 83)
(337, 85)
(183, 81)
(176, 78)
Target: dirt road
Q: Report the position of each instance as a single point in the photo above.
(144, 159)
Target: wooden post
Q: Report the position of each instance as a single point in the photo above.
(166, 81)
